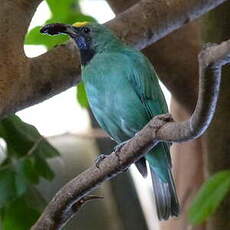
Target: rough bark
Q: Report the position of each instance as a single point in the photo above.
(27, 81)
(119, 6)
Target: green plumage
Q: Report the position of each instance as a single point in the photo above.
(124, 94)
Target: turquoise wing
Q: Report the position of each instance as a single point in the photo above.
(146, 85)
(145, 82)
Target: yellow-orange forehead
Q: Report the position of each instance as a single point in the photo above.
(80, 24)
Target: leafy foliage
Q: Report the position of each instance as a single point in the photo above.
(15, 218)
(81, 95)
(24, 165)
(209, 197)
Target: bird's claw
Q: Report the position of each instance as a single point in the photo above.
(99, 159)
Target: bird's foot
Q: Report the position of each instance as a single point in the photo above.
(160, 120)
(99, 159)
(118, 147)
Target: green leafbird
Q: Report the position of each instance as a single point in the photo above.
(124, 94)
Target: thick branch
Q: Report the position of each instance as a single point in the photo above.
(210, 61)
(159, 128)
(119, 6)
(28, 81)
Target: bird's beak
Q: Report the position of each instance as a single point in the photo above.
(59, 28)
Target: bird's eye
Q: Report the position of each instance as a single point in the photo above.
(86, 30)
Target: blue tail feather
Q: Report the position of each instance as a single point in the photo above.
(163, 183)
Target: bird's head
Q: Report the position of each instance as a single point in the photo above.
(87, 35)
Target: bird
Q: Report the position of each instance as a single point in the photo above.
(124, 95)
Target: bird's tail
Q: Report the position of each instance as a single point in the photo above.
(163, 183)
(165, 196)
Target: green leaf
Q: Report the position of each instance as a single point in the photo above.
(209, 197)
(46, 150)
(81, 95)
(34, 37)
(27, 152)
(35, 199)
(21, 184)
(43, 169)
(26, 169)
(7, 186)
(19, 216)
(17, 143)
(22, 138)
(63, 7)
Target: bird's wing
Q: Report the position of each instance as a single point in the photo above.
(144, 80)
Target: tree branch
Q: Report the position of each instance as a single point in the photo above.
(119, 6)
(210, 61)
(69, 213)
(27, 81)
(160, 128)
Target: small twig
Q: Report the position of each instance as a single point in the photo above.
(69, 213)
(159, 128)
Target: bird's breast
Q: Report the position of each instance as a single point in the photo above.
(116, 107)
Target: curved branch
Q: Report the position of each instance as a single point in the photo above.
(28, 81)
(159, 128)
(210, 62)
